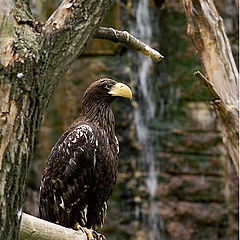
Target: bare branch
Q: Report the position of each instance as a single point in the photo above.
(125, 37)
(215, 97)
(208, 85)
(33, 228)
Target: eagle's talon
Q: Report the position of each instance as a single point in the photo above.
(102, 237)
(78, 227)
(98, 236)
(89, 233)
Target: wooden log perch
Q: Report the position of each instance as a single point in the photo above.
(125, 37)
(33, 228)
(206, 28)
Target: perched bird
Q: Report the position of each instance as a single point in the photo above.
(80, 172)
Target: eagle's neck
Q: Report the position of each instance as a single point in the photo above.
(100, 113)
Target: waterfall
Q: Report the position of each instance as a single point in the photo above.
(144, 116)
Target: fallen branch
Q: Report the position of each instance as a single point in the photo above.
(33, 228)
(125, 37)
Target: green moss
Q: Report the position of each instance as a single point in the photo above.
(25, 43)
(23, 13)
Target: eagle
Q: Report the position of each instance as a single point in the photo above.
(81, 169)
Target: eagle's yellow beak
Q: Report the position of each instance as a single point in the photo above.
(120, 90)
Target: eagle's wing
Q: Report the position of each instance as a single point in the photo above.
(67, 176)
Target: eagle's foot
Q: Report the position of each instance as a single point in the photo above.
(98, 236)
(91, 234)
(78, 227)
(84, 230)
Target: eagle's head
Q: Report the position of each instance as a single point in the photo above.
(105, 91)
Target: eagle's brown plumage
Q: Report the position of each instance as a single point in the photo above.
(80, 173)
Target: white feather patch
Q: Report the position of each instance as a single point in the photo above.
(62, 205)
(94, 157)
(85, 213)
(117, 143)
(72, 162)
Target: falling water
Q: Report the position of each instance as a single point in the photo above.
(145, 112)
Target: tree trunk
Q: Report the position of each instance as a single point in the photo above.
(33, 57)
(205, 27)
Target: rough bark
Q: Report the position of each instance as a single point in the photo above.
(33, 56)
(206, 28)
(33, 228)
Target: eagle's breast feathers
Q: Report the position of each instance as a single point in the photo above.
(73, 177)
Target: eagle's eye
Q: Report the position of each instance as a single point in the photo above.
(107, 86)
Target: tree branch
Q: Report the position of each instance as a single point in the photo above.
(205, 27)
(125, 37)
(33, 228)
(215, 97)
(208, 85)
(69, 29)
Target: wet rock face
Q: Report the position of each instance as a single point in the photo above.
(195, 195)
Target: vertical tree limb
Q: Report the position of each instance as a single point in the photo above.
(206, 28)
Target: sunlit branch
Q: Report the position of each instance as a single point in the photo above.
(125, 37)
(33, 228)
